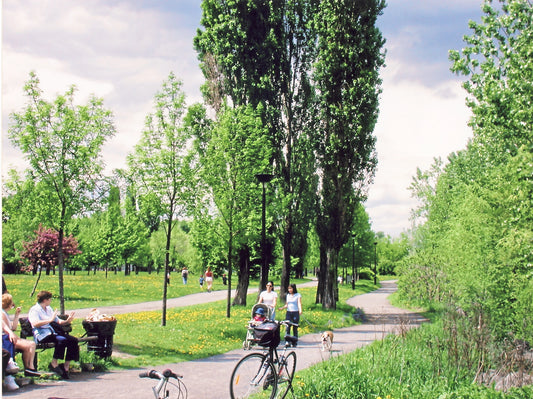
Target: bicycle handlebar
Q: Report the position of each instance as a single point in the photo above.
(156, 375)
(288, 323)
(170, 374)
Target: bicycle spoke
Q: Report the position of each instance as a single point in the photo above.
(287, 366)
(253, 377)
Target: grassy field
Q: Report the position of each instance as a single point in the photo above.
(95, 290)
(190, 333)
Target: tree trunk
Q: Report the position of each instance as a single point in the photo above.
(165, 274)
(60, 259)
(330, 293)
(230, 272)
(321, 275)
(244, 277)
(327, 289)
(36, 282)
(286, 269)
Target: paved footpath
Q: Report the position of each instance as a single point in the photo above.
(209, 378)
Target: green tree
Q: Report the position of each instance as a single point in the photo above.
(62, 142)
(475, 249)
(86, 229)
(238, 145)
(358, 252)
(392, 252)
(182, 252)
(497, 60)
(160, 163)
(261, 53)
(18, 217)
(107, 236)
(347, 75)
(134, 233)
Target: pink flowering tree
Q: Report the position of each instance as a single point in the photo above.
(41, 253)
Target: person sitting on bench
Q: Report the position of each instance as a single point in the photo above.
(26, 346)
(47, 328)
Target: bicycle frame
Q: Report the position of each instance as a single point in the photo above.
(266, 374)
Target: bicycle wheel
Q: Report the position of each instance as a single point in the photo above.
(254, 376)
(287, 366)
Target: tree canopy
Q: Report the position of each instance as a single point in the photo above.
(62, 142)
(475, 248)
(161, 165)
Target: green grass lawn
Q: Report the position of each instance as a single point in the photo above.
(95, 290)
(190, 333)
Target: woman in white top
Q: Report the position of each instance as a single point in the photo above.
(26, 346)
(294, 309)
(269, 298)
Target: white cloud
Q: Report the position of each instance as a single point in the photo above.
(109, 49)
(416, 124)
(122, 51)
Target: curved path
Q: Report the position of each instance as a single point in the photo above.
(209, 378)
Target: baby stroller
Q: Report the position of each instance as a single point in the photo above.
(258, 308)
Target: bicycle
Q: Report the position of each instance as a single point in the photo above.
(170, 384)
(266, 374)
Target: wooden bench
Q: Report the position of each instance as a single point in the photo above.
(26, 333)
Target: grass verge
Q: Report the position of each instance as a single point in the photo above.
(411, 365)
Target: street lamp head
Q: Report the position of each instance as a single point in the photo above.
(264, 177)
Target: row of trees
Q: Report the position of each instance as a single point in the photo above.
(308, 73)
(291, 89)
(475, 249)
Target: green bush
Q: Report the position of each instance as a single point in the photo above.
(418, 364)
(366, 274)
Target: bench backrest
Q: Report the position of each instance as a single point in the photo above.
(25, 328)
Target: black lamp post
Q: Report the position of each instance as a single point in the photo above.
(263, 178)
(375, 262)
(353, 261)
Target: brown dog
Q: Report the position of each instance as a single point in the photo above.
(326, 340)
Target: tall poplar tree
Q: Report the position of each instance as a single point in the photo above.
(262, 53)
(160, 163)
(62, 142)
(347, 78)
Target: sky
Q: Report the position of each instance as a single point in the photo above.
(122, 51)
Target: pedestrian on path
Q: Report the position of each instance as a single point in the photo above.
(184, 275)
(293, 304)
(209, 279)
(269, 297)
